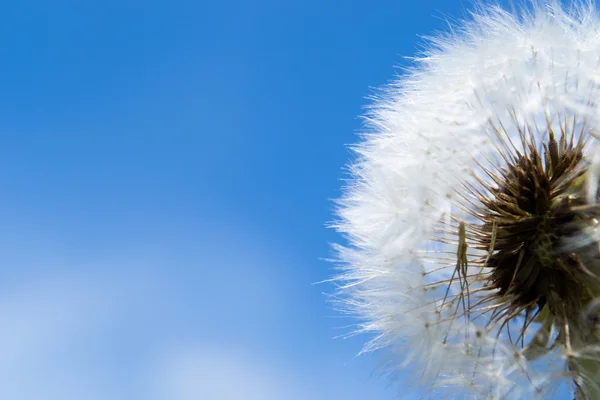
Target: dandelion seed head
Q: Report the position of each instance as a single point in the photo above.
(472, 215)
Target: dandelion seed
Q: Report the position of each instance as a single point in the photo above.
(473, 218)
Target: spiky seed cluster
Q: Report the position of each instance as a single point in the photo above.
(536, 259)
(533, 218)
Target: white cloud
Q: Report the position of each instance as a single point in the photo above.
(114, 333)
(214, 372)
(45, 332)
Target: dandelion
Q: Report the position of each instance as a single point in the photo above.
(472, 214)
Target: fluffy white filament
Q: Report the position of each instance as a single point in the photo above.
(430, 131)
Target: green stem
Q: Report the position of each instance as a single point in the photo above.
(589, 386)
(586, 369)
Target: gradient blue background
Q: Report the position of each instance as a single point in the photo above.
(166, 172)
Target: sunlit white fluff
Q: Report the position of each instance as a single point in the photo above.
(428, 131)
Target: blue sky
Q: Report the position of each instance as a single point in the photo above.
(166, 171)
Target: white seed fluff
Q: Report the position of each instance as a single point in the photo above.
(429, 134)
